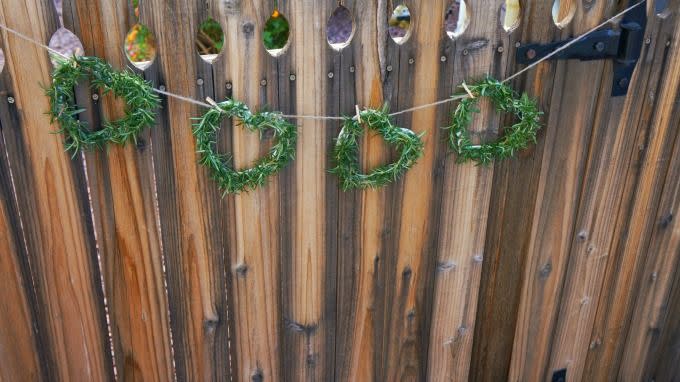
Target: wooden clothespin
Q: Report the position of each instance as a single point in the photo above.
(358, 113)
(213, 104)
(467, 89)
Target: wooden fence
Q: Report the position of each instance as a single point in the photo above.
(128, 264)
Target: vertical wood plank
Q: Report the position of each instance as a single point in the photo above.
(634, 223)
(663, 251)
(567, 133)
(509, 218)
(308, 335)
(612, 149)
(191, 222)
(62, 253)
(462, 225)
(122, 182)
(20, 345)
(411, 256)
(361, 212)
(255, 267)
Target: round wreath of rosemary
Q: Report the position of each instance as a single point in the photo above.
(515, 137)
(409, 145)
(228, 179)
(141, 103)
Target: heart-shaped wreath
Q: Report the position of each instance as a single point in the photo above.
(228, 179)
(140, 110)
(516, 137)
(409, 145)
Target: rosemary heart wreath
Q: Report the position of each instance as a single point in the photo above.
(228, 179)
(140, 110)
(409, 145)
(515, 137)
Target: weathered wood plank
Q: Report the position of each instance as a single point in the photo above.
(361, 213)
(567, 134)
(508, 232)
(191, 223)
(613, 145)
(61, 249)
(121, 181)
(411, 260)
(663, 251)
(255, 261)
(462, 226)
(308, 341)
(633, 226)
(20, 346)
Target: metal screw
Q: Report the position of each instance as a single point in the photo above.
(292, 77)
(199, 82)
(331, 75)
(411, 61)
(263, 82)
(623, 83)
(389, 68)
(599, 46)
(352, 69)
(531, 54)
(10, 100)
(95, 97)
(501, 49)
(442, 58)
(518, 44)
(465, 52)
(648, 41)
(161, 88)
(668, 43)
(229, 85)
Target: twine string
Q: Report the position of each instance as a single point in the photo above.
(333, 118)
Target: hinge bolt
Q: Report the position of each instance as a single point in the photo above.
(199, 82)
(229, 85)
(95, 97)
(600, 46)
(10, 100)
(531, 54)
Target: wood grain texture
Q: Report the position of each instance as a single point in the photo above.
(631, 234)
(62, 253)
(361, 213)
(255, 261)
(308, 341)
(462, 226)
(191, 217)
(567, 133)
(663, 250)
(122, 185)
(20, 345)
(508, 232)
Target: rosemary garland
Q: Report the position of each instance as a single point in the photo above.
(141, 103)
(228, 179)
(409, 145)
(516, 137)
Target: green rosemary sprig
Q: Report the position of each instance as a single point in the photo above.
(516, 137)
(409, 145)
(140, 110)
(228, 179)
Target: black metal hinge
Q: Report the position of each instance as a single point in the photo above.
(623, 46)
